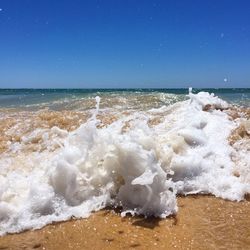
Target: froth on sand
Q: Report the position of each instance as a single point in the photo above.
(60, 165)
(202, 222)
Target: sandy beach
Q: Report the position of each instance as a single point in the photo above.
(202, 222)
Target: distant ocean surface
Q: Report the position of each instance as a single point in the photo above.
(59, 99)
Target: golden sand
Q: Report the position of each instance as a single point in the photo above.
(202, 222)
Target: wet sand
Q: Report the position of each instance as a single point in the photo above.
(202, 222)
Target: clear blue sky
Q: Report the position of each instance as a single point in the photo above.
(124, 43)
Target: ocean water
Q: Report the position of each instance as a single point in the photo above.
(67, 153)
(59, 99)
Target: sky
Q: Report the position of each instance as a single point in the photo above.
(124, 43)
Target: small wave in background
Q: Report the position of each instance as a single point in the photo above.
(83, 99)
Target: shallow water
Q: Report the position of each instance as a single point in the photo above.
(135, 149)
(75, 99)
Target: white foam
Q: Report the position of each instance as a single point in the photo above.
(141, 169)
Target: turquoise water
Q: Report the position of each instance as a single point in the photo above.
(57, 99)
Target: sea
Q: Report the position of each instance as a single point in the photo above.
(76, 99)
(65, 153)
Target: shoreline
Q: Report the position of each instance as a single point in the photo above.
(202, 221)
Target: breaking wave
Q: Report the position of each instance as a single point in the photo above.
(140, 161)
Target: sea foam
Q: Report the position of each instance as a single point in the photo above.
(140, 169)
